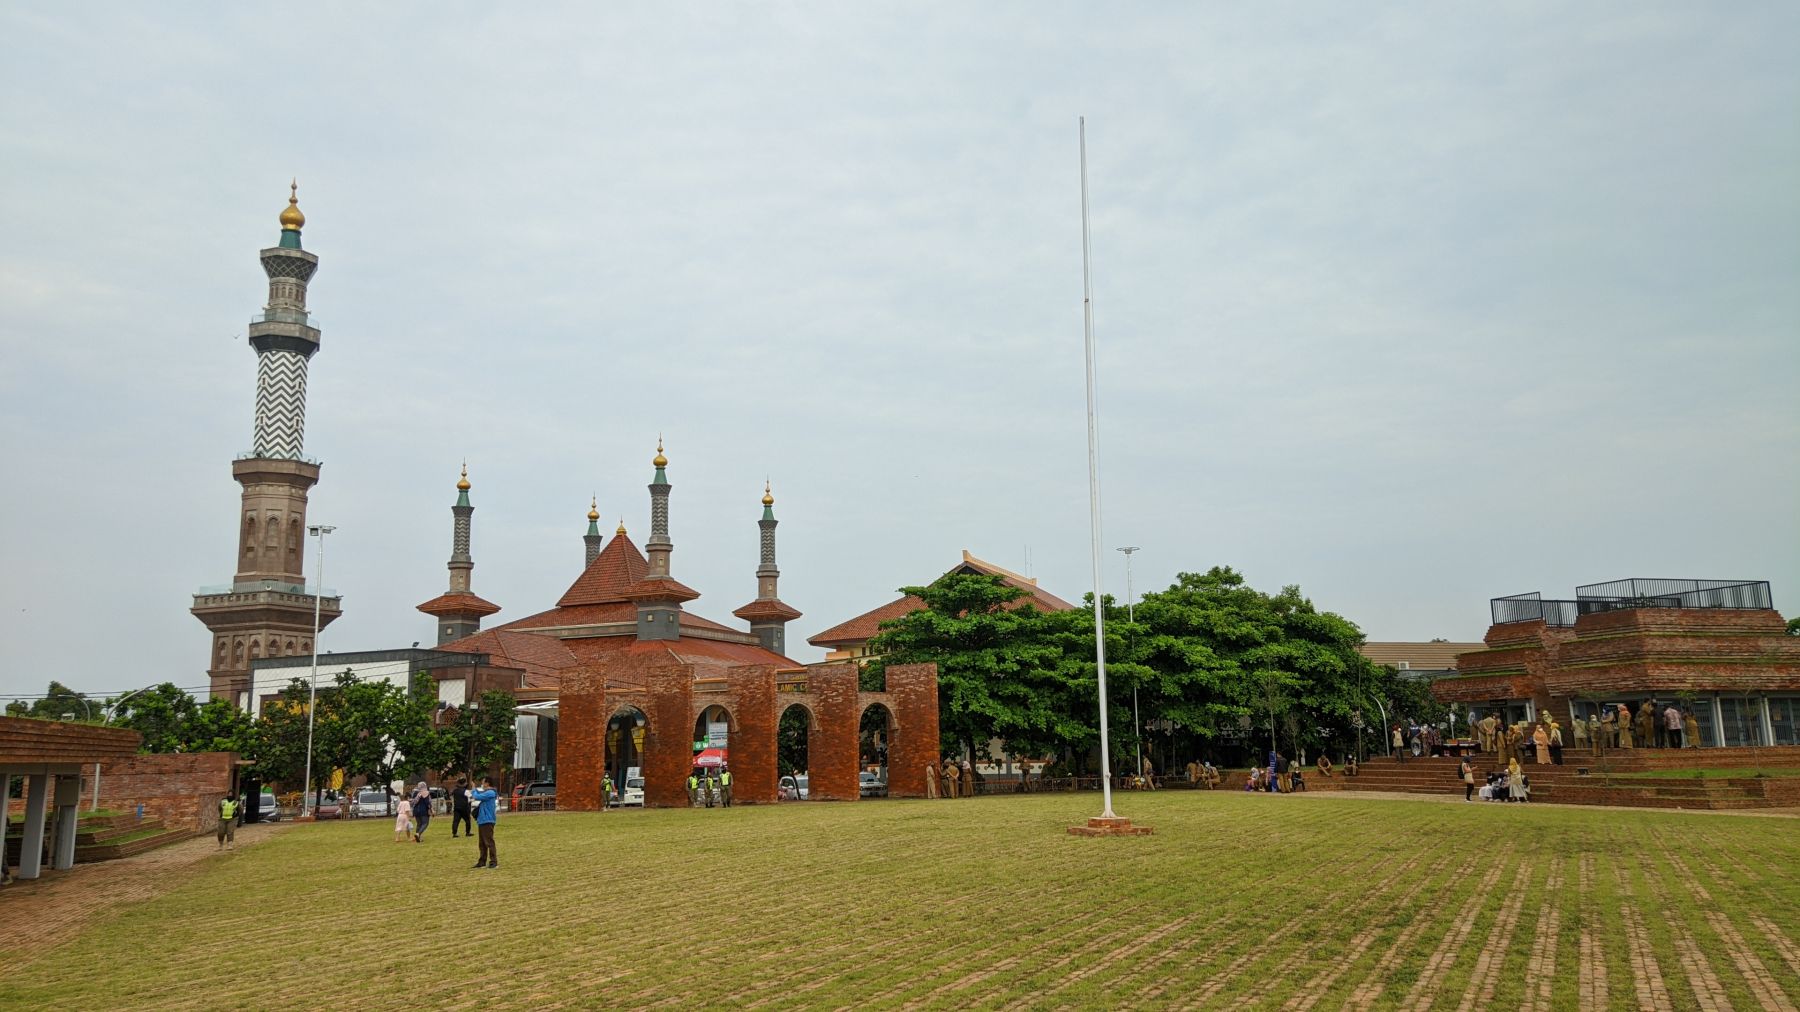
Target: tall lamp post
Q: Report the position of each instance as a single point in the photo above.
(1137, 731)
(107, 713)
(312, 690)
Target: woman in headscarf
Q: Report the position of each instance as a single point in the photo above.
(1541, 739)
(1624, 726)
(421, 811)
(1515, 783)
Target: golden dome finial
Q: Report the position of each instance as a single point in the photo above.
(594, 510)
(291, 218)
(621, 529)
(462, 483)
(768, 496)
(660, 460)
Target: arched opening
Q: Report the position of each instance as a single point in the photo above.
(874, 737)
(793, 749)
(625, 756)
(712, 751)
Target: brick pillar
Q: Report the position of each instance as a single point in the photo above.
(914, 691)
(669, 735)
(753, 741)
(580, 741)
(832, 751)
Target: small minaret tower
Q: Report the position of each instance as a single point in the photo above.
(458, 611)
(768, 615)
(267, 611)
(593, 536)
(658, 595)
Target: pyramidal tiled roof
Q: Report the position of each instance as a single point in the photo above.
(618, 566)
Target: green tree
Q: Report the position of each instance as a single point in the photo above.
(280, 734)
(63, 703)
(998, 660)
(172, 721)
(419, 745)
(480, 737)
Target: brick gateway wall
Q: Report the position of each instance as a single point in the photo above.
(181, 789)
(673, 696)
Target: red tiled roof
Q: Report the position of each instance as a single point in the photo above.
(618, 566)
(777, 610)
(458, 604)
(537, 655)
(661, 588)
(864, 627)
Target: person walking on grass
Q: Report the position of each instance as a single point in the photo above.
(228, 809)
(486, 802)
(402, 819)
(421, 811)
(459, 809)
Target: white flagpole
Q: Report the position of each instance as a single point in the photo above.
(1093, 434)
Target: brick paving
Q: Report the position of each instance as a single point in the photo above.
(45, 912)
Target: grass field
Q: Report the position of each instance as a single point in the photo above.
(1239, 901)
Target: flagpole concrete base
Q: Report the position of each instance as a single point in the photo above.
(1114, 826)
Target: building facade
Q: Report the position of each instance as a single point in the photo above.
(1717, 648)
(267, 610)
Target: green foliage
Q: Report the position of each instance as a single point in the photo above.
(172, 721)
(479, 737)
(1793, 626)
(59, 703)
(280, 754)
(1000, 663)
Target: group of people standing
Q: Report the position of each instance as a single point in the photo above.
(953, 779)
(1541, 743)
(707, 787)
(1616, 726)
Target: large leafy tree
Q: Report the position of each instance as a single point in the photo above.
(280, 756)
(59, 702)
(1000, 671)
(172, 721)
(477, 738)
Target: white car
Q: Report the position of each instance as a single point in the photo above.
(633, 795)
(371, 803)
(793, 788)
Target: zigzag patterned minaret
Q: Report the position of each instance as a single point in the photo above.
(267, 611)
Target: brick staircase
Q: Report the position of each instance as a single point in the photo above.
(106, 837)
(1585, 780)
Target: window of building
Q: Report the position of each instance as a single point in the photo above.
(1740, 721)
(1784, 719)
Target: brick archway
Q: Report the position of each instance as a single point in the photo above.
(811, 720)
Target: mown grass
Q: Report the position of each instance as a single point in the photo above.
(1241, 901)
(1734, 773)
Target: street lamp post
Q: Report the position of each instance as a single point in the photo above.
(312, 692)
(107, 713)
(1137, 733)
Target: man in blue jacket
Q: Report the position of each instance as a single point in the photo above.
(485, 814)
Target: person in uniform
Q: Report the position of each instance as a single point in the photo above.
(606, 792)
(968, 779)
(1609, 729)
(1540, 738)
(1624, 725)
(709, 788)
(725, 785)
(694, 789)
(931, 778)
(1690, 727)
(952, 778)
(1579, 730)
(228, 812)
(1595, 734)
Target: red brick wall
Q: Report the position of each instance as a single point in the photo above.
(753, 742)
(668, 735)
(582, 713)
(912, 689)
(181, 789)
(832, 755)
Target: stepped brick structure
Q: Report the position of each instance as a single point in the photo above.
(1716, 648)
(267, 610)
(621, 674)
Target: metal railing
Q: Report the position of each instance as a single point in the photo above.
(1623, 595)
(275, 586)
(300, 317)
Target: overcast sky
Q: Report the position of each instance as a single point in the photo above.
(1412, 309)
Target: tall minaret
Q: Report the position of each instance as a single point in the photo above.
(593, 537)
(266, 611)
(658, 595)
(768, 615)
(458, 611)
(659, 546)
